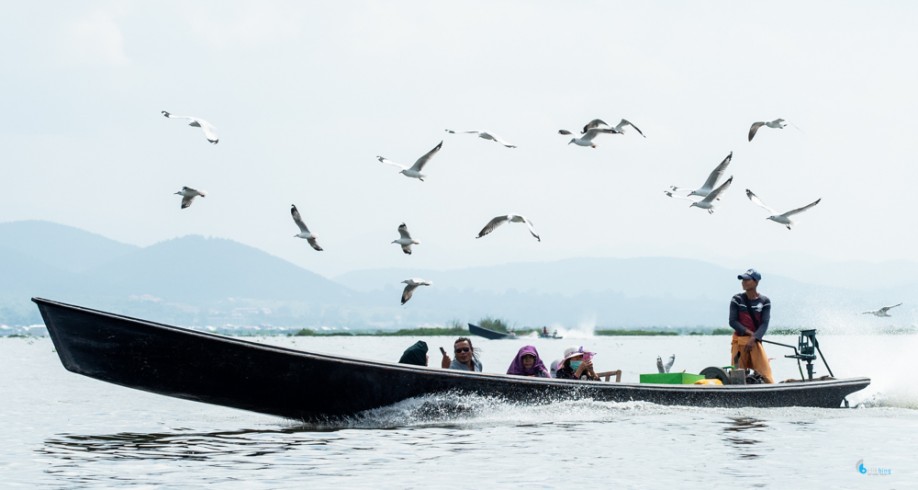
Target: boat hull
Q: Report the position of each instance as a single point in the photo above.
(488, 333)
(235, 373)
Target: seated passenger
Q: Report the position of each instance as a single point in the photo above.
(528, 363)
(577, 364)
(416, 354)
(466, 357)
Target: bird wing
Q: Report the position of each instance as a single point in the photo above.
(801, 209)
(758, 202)
(390, 162)
(531, 229)
(595, 123)
(418, 165)
(409, 290)
(403, 231)
(718, 191)
(298, 219)
(625, 122)
(755, 127)
(565, 132)
(593, 132)
(494, 223)
(173, 116)
(717, 173)
(884, 309)
(210, 132)
(186, 200)
(493, 137)
(313, 243)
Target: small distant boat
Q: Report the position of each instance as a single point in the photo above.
(543, 334)
(490, 334)
(230, 372)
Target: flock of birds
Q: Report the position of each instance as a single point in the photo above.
(405, 241)
(704, 197)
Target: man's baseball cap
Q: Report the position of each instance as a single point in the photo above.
(750, 274)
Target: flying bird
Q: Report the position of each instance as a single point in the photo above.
(620, 127)
(415, 170)
(210, 132)
(776, 124)
(411, 285)
(884, 311)
(711, 181)
(513, 218)
(708, 201)
(188, 194)
(405, 239)
(783, 218)
(484, 135)
(304, 232)
(586, 139)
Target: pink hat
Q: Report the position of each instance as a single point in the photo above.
(572, 352)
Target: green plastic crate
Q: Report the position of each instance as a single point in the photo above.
(671, 378)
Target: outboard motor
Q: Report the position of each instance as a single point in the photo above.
(808, 347)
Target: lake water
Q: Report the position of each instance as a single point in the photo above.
(62, 430)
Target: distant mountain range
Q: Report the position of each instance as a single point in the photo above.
(197, 281)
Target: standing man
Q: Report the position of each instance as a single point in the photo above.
(749, 316)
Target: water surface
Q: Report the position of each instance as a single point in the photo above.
(63, 430)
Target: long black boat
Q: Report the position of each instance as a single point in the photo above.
(226, 371)
(488, 333)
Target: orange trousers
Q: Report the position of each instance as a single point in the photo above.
(756, 359)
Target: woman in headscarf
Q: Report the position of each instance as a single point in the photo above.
(416, 354)
(528, 363)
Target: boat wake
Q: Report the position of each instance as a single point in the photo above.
(460, 410)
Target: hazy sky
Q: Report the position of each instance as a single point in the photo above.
(305, 95)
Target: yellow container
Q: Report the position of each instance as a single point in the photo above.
(708, 382)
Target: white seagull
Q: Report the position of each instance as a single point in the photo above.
(513, 218)
(304, 232)
(884, 311)
(188, 194)
(783, 218)
(405, 239)
(411, 285)
(776, 124)
(484, 135)
(415, 170)
(708, 201)
(709, 184)
(665, 368)
(210, 132)
(586, 139)
(620, 127)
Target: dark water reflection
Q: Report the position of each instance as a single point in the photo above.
(178, 445)
(743, 434)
